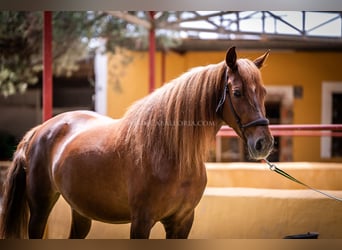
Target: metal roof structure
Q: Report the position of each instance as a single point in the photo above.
(213, 30)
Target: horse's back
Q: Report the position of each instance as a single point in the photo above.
(50, 136)
(56, 134)
(84, 165)
(80, 118)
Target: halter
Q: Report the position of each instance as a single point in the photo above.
(258, 122)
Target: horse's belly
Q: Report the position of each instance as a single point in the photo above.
(107, 203)
(100, 204)
(93, 182)
(106, 212)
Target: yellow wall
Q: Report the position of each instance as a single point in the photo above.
(283, 68)
(244, 201)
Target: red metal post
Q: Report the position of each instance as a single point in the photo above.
(163, 66)
(47, 66)
(152, 49)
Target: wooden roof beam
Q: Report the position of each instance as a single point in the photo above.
(130, 18)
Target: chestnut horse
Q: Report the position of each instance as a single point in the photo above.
(143, 168)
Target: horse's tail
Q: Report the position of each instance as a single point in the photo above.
(14, 213)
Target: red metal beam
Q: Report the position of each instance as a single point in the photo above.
(47, 66)
(294, 130)
(332, 127)
(152, 49)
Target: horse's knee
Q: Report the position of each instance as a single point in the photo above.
(80, 226)
(178, 227)
(141, 228)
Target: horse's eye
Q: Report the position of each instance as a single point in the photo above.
(237, 93)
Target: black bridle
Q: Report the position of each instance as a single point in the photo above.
(262, 121)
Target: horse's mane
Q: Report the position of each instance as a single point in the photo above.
(177, 121)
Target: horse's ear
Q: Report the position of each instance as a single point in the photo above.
(259, 62)
(231, 59)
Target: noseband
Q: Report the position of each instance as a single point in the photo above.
(219, 109)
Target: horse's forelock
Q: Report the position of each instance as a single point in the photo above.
(249, 72)
(251, 76)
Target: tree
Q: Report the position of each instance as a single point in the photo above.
(18, 51)
(74, 34)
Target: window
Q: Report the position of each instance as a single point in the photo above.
(336, 143)
(331, 114)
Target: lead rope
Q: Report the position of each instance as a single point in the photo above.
(274, 168)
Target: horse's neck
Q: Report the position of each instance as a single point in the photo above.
(218, 124)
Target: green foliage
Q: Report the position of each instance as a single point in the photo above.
(73, 39)
(18, 51)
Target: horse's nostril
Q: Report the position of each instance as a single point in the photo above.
(259, 144)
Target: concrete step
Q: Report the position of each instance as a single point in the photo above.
(257, 175)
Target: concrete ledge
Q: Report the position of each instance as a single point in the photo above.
(235, 213)
(265, 213)
(257, 175)
(246, 200)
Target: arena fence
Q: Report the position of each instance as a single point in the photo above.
(296, 130)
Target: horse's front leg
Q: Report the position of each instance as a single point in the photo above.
(178, 226)
(141, 226)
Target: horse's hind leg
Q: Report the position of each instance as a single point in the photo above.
(40, 208)
(80, 226)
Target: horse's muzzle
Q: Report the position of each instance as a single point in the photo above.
(260, 147)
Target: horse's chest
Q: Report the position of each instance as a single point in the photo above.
(186, 192)
(193, 188)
